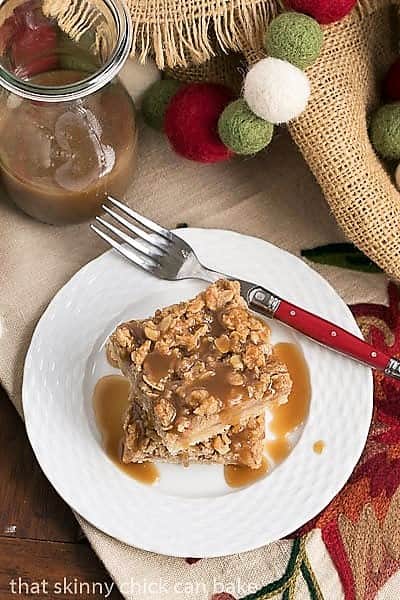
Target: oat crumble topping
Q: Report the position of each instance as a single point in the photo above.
(199, 368)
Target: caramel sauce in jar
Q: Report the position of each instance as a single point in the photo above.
(59, 160)
(110, 403)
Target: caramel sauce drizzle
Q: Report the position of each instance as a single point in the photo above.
(319, 447)
(217, 327)
(157, 365)
(218, 384)
(238, 476)
(288, 417)
(110, 403)
(285, 417)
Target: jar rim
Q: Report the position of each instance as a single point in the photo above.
(92, 83)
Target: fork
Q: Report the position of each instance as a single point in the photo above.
(167, 256)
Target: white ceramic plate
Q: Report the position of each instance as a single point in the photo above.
(190, 512)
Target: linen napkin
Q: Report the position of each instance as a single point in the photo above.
(272, 196)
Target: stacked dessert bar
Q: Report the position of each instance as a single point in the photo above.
(202, 373)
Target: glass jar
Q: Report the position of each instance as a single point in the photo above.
(67, 125)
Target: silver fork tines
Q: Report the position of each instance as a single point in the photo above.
(130, 226)
(153, 227)
(151, 247)
(146, 248)
(145, 263)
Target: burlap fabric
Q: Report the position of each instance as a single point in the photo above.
(333, 137)
(332, 133)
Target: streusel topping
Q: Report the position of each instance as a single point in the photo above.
(207, 358)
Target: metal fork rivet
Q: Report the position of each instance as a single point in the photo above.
(292, 313)
(374, 354)
(333, 333)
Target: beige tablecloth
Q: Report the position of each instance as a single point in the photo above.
(272, 196)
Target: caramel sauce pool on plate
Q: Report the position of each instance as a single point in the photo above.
(278, 449)
(285, 417)
(289, 416)
(239, 476)
(110, 402)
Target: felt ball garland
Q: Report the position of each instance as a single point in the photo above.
(384, 128)
(156, 100)
(203, 122)
(136, 77)
(242, 131)
(385, 131)
(323, 11)
(295, 38)
(266, 88)
(191, 121)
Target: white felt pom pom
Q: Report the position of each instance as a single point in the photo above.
(138, 77)
(276, 90)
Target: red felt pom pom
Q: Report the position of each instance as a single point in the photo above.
(324, 11)
(391, 84)
(191, 121)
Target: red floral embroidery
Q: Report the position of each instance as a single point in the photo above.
(334, 544)
(383, 474)
(377, 476)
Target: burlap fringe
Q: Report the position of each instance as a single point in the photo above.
(185, 32)
(194, 32)
(178, 34)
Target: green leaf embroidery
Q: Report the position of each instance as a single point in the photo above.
(298, 564)
(346, 256)
(287, 579)
(311, 580)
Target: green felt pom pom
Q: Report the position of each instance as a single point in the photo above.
(242, 131)
(385, 131)
(295, 38)
(156, 100)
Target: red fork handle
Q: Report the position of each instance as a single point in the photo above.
(323, 332)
